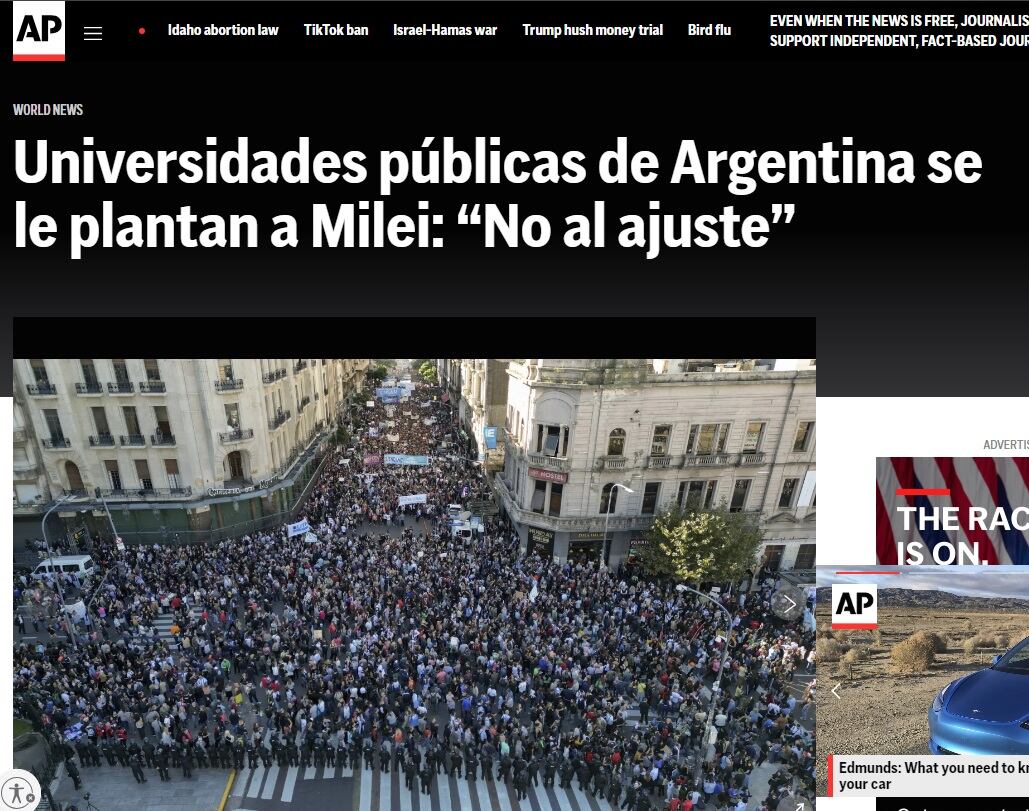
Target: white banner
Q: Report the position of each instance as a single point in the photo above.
(310, 537)
(297, 528)
(418, 499)
(393, 437)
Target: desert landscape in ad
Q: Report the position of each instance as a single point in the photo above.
(888, 677)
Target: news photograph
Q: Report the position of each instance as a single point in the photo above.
(415, 583)
(922, 660)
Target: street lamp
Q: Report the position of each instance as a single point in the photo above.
(718, 679)
(57, 575)
(607, 516)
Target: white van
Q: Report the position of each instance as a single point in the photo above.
(81, 565)
(461, 530)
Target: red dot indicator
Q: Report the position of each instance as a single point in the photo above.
(142, 30)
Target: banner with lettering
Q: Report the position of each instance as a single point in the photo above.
(420, 498)
(297, 528)
(405, 459)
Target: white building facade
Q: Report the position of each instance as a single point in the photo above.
(673, 432)
(179, 445)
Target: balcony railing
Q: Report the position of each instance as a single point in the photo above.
(271, 377)
(659, 461)
(89, 388)
(20, 435)
(41, 389)
(303, 404)
(326, 392)
(752, 458)
(162, 439)
(101, 440)
(141, 493)
(56, 442)
(278, 419)
(231, 384)
(133, 439)
(570, 524)
(707, 460)
(611, 462)
(239, 435)
(152, 387)
(300, 366)
(548, 462)
(124, 387)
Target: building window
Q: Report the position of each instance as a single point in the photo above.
(131, 422)
(39, 370)
(608, 499)
(539, 496)
(616, 442)
(752, 439)
(740, 490)
(556, 491)
(552, 440)
(143, 474)
(659, 444)
(171, 470)
(53, 423)
(161, 418)
(121, 373)
(89, 374)
(113, 475)
(153, 371)
(650, 492)
(707, 440)
(803, 438)
(697, 494)
(789, 492)
(232, 415)
(805, 557)
(103, 430)
(225, 369)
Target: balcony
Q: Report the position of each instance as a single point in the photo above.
(135, 440)
(709, 460)
(20, 435)
(145, 493)
(43, 389)
(752, 458)
(53, 443)
(89, 388)
(611, 463)
(659, 462)
(239, 435)
(300, 366)
(124, 387)
(101, 441)
(548, 462)
(569, 524)
(152, 387)
(303, 404)
(26, 467)
(316, 396)
(325, 392)
(164, 440)
(278, 420)
(271, 377)
(231, 384)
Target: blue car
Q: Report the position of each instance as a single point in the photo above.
(985, 713)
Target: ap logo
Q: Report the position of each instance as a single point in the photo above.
(854, 607)
(39, 27)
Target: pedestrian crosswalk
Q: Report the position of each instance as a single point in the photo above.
(374, 790)
(164, 622)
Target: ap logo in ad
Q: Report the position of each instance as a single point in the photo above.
(39, 28)
(854, 607)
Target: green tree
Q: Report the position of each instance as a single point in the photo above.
(376, 374)
(703, 545)
(427, 370)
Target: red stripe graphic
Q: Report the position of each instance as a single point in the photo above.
(854, 626)
(987, 554)
(39, 57)
(922, 491)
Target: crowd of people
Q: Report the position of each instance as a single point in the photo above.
(386, 644)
